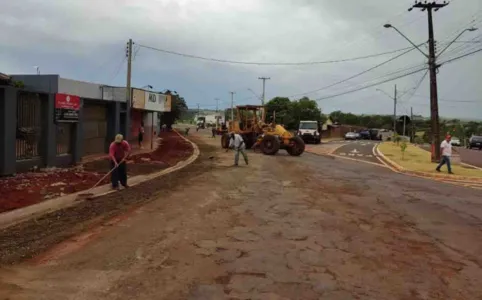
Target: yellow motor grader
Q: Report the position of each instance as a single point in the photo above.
(249, 122)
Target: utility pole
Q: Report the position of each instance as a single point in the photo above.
(395, 111)
(412, 135)
(264, 88)
(432, 64)
(216, 116)
(128, 88)
(198, 111)
(232, 106)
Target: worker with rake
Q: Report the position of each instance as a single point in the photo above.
(236, 142)
(119, 150)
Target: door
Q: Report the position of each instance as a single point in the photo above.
(95, 128)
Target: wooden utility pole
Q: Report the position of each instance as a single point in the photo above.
(263, 99)
(430, 7)
(128, 88)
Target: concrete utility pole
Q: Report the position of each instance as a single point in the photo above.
(129, 70)
(412, 135)
(395, 111)
(264, 88)
(128, 89)
(394, 98)
(232, 106)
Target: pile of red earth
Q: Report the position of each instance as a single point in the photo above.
(172, 149)
(31, 188)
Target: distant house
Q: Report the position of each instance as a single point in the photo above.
(5, 79)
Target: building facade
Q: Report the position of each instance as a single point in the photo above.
(53, 121)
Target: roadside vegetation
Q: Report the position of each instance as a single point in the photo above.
(416, 159)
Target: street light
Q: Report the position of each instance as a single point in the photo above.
(147, 86)
(456, 38)
(405, 37)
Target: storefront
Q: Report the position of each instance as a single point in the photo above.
(146, 106)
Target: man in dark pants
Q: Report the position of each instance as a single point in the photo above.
(119, 150)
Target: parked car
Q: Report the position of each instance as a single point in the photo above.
(365, 135)
(475, 142)
(455, 141)
(351, 136)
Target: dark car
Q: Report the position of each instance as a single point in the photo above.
(365, 135)
(475, 142)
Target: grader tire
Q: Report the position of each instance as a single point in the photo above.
(297, 146)
(270, 145)
(225, 141)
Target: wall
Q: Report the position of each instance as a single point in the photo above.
(80, 88)
(111, 93)
(39, 83)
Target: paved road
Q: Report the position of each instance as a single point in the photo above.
(361, 150)
(471, 156)
(309, 227)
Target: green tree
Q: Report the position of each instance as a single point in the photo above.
(178, 108)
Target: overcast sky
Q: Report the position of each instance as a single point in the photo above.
(86, 40)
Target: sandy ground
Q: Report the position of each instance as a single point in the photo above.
(280, 228)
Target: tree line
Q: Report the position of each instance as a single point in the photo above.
(290, 113)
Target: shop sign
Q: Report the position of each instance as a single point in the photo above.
(67, 108)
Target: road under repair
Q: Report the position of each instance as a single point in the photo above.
(308, 227)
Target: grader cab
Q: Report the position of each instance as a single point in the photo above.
(249, 122)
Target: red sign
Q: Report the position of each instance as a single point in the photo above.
(64, 101)
(67, 108)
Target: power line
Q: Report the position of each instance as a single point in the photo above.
(356, 75)
(270, 63)
(461, 56)
(450, 100)
(118, 70)
(371, 85)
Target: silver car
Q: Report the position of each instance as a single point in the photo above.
(351, 136)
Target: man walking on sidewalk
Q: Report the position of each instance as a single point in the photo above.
(236, 142)
(446, 149)
(119, 150)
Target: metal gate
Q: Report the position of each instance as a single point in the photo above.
(29, 125)
(64, 138)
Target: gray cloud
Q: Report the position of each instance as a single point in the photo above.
(85, 40)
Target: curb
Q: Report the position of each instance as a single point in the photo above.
(14, 217)
(455, 178)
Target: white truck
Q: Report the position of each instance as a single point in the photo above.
(310, 131)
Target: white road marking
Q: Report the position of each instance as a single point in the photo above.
(351, 154)
(342, 154)
(360, 155)
(354, 151)
(369, 155)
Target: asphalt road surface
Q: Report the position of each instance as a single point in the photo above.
(309, 227)
(470, 156)
(360, 150)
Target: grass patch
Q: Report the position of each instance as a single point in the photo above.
(417, 159)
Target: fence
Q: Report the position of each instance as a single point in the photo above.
(29, 128)
(64, 135)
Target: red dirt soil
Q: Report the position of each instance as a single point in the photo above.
(31, 188)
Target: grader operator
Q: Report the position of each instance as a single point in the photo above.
(249, 122)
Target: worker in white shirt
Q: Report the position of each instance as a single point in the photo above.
(236, 142)
(446, 150)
